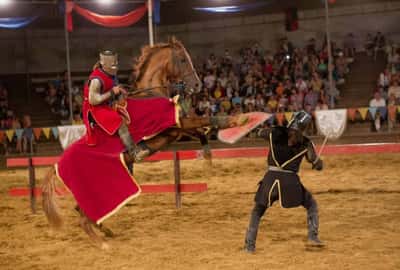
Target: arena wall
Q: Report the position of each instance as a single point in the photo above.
(43, 51)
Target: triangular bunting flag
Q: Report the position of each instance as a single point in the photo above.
(1, 136)
(363, 112)
(37, 132)
(398, 108)
(372, 111)
(46, 132)
(10, 134)
(288, 116)
(351, 113)
(279, 118)
(54, 130)
(19, 132)
(392, 113)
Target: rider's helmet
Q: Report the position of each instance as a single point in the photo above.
(109, 61)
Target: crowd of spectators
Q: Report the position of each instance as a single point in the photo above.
(57, 97)
(387, 92)
(9, 120)
(288, 80)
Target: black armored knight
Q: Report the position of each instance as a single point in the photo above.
(287, 146)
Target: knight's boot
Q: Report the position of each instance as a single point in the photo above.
(251, 233)
(250, 240)
(134, 153)
(313, 224)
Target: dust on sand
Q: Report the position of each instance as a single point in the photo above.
(358, 197)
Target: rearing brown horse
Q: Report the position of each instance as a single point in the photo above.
(162, 70)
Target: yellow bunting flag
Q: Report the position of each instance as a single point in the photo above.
(363, 112)
(46, 132)
(392, 113)
(351, 113)
(288, 116)
(398, 108)
(10, 134)
(37, 132)
(1, 136)
(279, 118)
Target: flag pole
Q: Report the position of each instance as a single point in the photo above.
(68, 67)
(330, 62)
(150, 17)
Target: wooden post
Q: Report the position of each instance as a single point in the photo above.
(32, 185)
(177, 174)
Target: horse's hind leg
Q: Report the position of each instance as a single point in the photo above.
(86, 225)
(105, 230)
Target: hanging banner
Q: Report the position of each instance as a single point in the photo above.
(372, 111)
(10, 134)
(288, 116)
(19, 132)
(54, 130)
(37, 132)
(331, 123)
(70, 134)
(104, 20)
(17, 22)
(351, 112)
(363, 112)
(46, 132)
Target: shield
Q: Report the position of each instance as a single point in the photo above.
(232, 135)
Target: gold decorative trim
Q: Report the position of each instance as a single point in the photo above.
(293, 158)
(276, 182)
(272, 150)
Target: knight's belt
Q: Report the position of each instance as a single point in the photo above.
(277, 169)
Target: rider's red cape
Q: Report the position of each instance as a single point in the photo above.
(97, 175)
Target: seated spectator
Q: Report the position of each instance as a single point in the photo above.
(77, 119)
(237, 99)
(377, 102)
(226, 104)
(272, 104)
(394, 89)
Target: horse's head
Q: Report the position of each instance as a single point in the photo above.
(166, 66)
(180, 67)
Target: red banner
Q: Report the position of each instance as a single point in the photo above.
(104, 20)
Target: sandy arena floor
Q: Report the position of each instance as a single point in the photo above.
(358, 196)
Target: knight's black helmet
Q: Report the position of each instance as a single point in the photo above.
(300, 121)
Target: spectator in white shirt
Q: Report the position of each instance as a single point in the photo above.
(377, 102)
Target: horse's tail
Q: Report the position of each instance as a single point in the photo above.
(49, 203)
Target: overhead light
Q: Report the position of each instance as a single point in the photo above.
(5, 2)
(105, 2)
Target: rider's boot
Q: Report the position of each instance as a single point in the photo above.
(134, 153)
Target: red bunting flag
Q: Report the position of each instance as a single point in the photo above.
(351, 112)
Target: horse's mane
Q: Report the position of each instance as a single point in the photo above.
(147, 51)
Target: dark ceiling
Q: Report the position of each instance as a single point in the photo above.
(172, 11)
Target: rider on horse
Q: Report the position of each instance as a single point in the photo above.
(100, 90)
